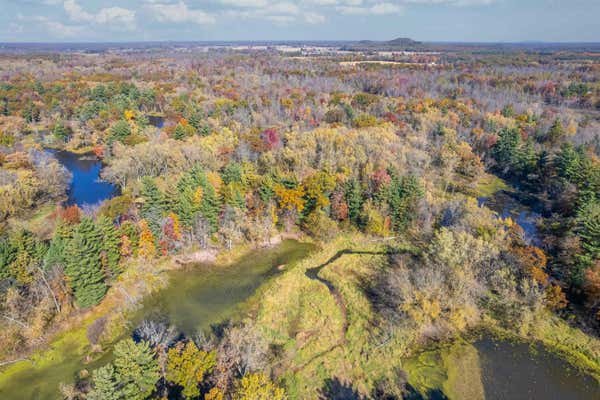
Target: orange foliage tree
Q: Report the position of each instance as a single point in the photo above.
(533, 261)
(147, 248)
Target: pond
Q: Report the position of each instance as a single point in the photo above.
(496, 370)
(517, 371)
(157, 121)
(86, 186)
(507, 204)
(195, 299)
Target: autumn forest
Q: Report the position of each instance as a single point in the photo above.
(363, 221)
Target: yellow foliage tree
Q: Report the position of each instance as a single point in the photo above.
(214, 394)
(187, 366)
(257, 387)
(290, 199)
(147, 248)
(129, 115)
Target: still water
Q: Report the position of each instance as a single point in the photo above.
(86, 186)
(491, 369)
(195, 299)
(518, 371)
(506, 205)
(207, 295)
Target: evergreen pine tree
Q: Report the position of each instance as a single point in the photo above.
(232, 173)
(556, 131)
(197, 195)
(210, 206)
(136, 370)
(505, 148)
(154, 204)
(110, 246)
(106, 386)
(132, 375)
(60, 132)
(180, 132)
(588, 228)
(568, 163)
(354, 200)
(195, 120)
(56, 254)
(83, 265)
(187, 206)
(8, 254)
(20, 268)
(120, 131)
(130, 230)
(404, 192)
(265, 190)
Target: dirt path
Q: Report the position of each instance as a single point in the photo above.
(313, 273)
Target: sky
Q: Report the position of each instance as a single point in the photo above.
(205, 20)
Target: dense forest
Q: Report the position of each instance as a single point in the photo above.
(392, 168)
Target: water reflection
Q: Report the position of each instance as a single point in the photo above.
(513, 371)
(156, 121)
(86, 187)
(526, 217)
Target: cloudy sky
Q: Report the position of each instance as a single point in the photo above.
(427, 20)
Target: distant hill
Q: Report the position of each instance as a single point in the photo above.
(391, 45)
(404, 42)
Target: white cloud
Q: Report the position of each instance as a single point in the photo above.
(123, 17)
(279, 13)
(180, 12)
(375, 9)
(115, 15)
(245, 3)
(314, 18)
(61, 30)
(76, 12)
(461, 3)
(54, 28)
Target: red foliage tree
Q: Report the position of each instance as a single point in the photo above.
(71, 214)
(271, 138)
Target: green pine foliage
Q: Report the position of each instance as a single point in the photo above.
(180, 132)
(576, 167)
(505, 148)
(153, 207)
(404, 194)
(106, 386)
(136, 369)
(197, 196)
(110, 246)
(84, 264)
(355, 200)
(130, 230)
(232, 172)
(8, 254)
(588, 228)
(556, 131)
(119, 131)
(56, 254)
(265, 189)
(60, 132)
(195, 120)
(131, 376)
(568, 163)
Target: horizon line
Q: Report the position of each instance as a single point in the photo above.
(297, 40)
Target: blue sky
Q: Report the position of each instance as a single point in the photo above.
(427, 20)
